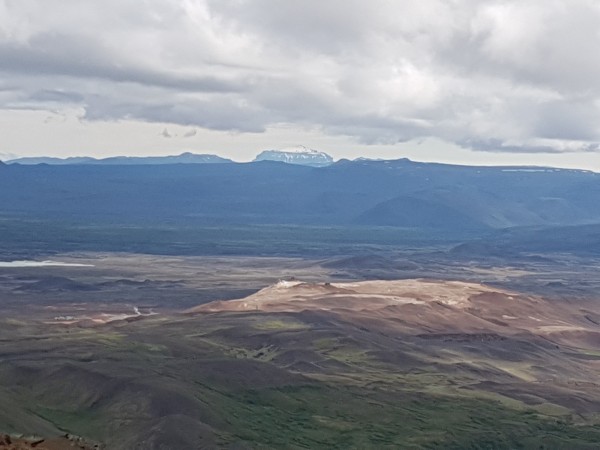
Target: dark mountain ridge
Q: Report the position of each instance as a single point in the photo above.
(381, 193)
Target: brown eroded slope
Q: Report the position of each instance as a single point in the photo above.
(426, 306)
(523, 347)
(67, 442)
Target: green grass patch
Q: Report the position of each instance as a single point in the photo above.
(325, 343)
(83, 423)
(275, 325)
(350, 355)
(339, 417)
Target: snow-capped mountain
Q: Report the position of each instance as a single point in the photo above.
(296, 155)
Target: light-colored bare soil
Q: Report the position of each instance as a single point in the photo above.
(428, 306)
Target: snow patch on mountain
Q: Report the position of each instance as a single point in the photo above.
(296, 155)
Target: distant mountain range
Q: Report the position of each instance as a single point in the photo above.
(293, 155)
(184, 158)
(398, 193)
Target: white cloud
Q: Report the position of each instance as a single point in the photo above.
(513, 76)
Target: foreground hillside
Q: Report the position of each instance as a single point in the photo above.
(379, 364)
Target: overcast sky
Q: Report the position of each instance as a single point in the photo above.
(451, 80)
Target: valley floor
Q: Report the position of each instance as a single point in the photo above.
(142, 352)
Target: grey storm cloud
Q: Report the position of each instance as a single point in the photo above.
(504, 75)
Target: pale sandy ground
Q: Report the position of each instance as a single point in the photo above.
(364, 295)
(443, 306)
